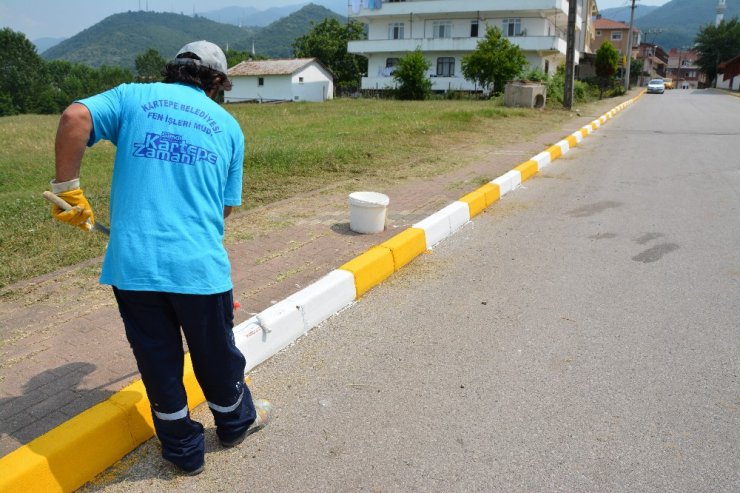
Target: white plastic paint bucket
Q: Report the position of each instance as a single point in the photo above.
(367, 211)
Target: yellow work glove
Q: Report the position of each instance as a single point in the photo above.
(80, 215)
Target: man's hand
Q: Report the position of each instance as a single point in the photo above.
(80, 215)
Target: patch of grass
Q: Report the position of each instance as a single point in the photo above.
(290, 149)
(481, 180)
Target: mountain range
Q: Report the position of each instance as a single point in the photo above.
(251, 16)
(117, 40)
(236, 15)
(677, 22)
(622, 14)
(674, 24)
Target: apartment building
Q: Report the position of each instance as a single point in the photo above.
(616, 33)
(684, 70)
(446, 30)
(654, 62)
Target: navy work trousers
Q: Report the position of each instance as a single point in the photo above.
(153, 322)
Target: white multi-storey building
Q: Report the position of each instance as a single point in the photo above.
(446, 30)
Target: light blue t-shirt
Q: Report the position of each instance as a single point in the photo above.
(178, 163)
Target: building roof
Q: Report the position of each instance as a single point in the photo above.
(284, 66)
(730, 68)
(610, 24)
(686, 54)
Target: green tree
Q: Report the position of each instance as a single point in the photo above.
(494, 62)
(605, 64)
(411, 75)
(717, 44)
(110, 77)
(66, 82)
(149, 66)
(21, 73)
(235, 57)
(327, 41)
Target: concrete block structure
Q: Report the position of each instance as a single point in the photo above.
(525, 95)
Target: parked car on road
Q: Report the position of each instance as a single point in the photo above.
(656, 86)
(668, 83)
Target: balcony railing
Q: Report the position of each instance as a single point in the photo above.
(543, 44)
(458, 83)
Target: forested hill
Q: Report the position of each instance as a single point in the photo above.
(120, 38)
(276, 40)
(680, 20)
(622, 14)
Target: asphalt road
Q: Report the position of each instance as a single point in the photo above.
(581, 335)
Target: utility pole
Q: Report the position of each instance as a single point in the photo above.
(629, 48)
(570, 52)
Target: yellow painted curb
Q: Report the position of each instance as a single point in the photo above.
(492, 191)
(192, 387)
(529, 168)
(74, 452)
(555, 152)
(370, 269)
(70, 454)
(572, 141)
(132, 400)
(476, 201)
(406, 246)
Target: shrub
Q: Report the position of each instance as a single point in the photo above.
(411, 75)
(535, 75)
(582, 90)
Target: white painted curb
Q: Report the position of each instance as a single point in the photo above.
(278, 326)
(444, 222)
(564, 146)
(508, 181)
(543, 160)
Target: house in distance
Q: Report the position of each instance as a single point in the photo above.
(294, 79)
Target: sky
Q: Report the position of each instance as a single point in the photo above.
(65, 18)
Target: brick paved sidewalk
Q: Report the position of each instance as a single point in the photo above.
(62, 345)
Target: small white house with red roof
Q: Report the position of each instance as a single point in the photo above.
(294, 79)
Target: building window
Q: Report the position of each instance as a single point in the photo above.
(616, 36)
(598, 32)
(395, 30)
(300, 80)
(390, 67)
(260, 81)
(445, 66)
(442, 29)
(474, 28)
(512, 27)
(547, 67)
